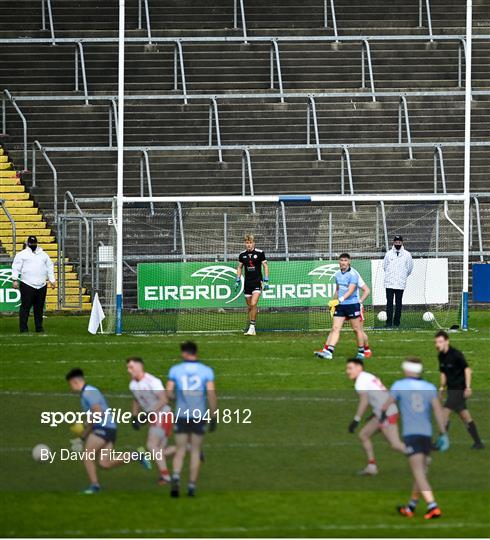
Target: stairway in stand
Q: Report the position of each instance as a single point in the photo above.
(29, 220)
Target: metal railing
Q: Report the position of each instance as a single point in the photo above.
(284, 230)
(476, 203)
(147, 18)
(37, 147)
(403, 114)
(13, 226)
(345, 157)
(332, 13)
(145, 169)
(179, 58)
(47, 4)
(439, 166)
(240, 39)
(213, 114)
(240, 4)
(79, 54)
(11, 100)
(366, 53)
(181, 228)
(275, 67)
(70, 198)
(112, 120)
(275, 64)
(424, 8)
(311, 111)
(247, 172)
(426, 4)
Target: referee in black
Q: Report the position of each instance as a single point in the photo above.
(456, 379)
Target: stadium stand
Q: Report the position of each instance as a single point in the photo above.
(416, 59)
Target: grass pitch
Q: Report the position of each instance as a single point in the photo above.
(291, 472)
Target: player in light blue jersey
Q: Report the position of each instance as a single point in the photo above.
(191, 385)
(99, 435)
(417, 400)
(346, 305)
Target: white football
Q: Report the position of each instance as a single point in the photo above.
(428, 316)
(40, 453)
(382, 316)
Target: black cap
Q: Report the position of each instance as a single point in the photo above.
(31, 239)
(398, 238)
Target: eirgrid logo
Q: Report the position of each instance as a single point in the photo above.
(219, 272)
(326, 270)
(9, 297)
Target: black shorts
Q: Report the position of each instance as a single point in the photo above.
(197, 427)
(108, 434)
(417, 444)
(252, 286)
(349, 311)
(455, 400)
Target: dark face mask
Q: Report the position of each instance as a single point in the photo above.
(33, 246)
(397, 246)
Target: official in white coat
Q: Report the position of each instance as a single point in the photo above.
(31, 269)
(397, 265)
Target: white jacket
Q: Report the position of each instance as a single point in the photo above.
(34, 267)
(398, 265)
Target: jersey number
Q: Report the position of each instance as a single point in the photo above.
(417, 402)
(190, 383)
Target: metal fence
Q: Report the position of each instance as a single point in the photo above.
(144, 21)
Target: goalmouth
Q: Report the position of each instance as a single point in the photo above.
(178, 260)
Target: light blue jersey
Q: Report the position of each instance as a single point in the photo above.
(190, 378)
(343, 280)
(90, 396)
(415, 397)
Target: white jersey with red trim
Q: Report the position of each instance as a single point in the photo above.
(147, 391)
(376, 391)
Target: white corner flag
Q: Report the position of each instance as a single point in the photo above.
(96, 316)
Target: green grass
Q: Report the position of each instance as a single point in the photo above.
(292, 472)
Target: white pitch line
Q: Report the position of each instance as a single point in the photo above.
(189, 531)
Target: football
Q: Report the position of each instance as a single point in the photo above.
(77, 428)
(382, 316)
(428, 316)
(40, 453)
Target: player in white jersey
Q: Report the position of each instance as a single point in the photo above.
(149, 397)
(372, 392)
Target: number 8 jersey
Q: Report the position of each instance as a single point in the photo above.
(190, 379)
(414, 397)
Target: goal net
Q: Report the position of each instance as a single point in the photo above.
(180, 261)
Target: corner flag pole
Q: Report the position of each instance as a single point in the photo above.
(467, 164)
(120, 172)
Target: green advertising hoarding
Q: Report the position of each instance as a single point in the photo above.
(9, 297)
(212, 285)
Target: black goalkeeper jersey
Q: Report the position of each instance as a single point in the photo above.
(453, 364)
(252, 264)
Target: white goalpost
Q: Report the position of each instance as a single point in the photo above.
(180, 253)
(324, 242)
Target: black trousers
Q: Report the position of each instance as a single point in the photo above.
(397, 295)
(35, 298)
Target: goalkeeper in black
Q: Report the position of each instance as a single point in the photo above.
(250, 265)
(456, 380)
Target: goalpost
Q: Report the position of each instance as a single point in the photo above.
(179, 259)
(455, 305)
